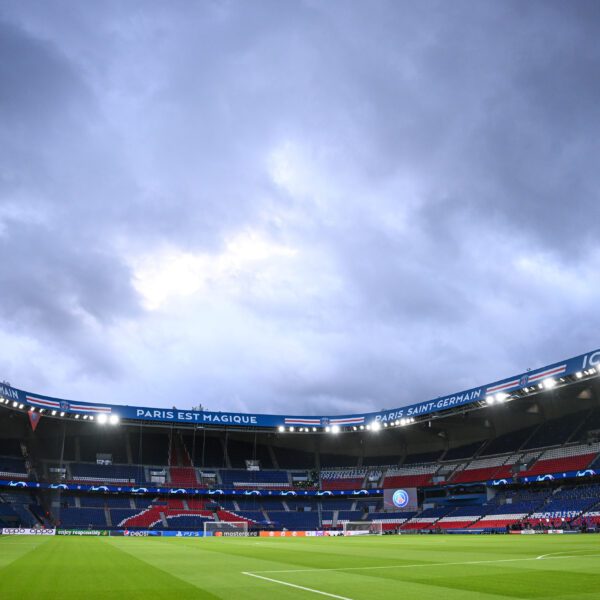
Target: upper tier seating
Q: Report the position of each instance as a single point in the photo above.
(91, 472)
(409, 476)
(558, 460)
(343, 479)
(255, 479)
(13, 467)
(483, 469)
(557, 431)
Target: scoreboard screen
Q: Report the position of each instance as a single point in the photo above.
(400, 499)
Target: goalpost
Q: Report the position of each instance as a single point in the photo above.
(363, 528)
(226, 528)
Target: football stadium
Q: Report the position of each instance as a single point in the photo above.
(488, 492)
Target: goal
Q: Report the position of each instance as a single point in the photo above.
(362, 528)
(226, 528)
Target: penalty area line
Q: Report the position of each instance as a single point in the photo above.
(293, 585)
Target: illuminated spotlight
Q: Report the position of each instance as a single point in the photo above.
(15, 404)
(314, 428)
(292, 428)
(62, 414)
(113, 419)
(579, 374)
(354, 428)
(21, 406)
(85, 417)
(42, 410)
(102, 419)
(412, 419)
(490, 400)
(32, 409)
(361, 427)
(375, 426)
(327, 429)
(549, 383)
(53, 413)
(77, 416)
(385, 424)
(501, 397)
(281, 429)
(335, 429)
(91, 417)
(368, 427)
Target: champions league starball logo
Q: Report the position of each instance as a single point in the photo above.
(400, 498)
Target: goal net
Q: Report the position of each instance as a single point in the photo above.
(362, 528)
(226, 528)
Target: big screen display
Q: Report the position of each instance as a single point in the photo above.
(400, 499)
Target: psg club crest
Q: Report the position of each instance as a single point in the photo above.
(324, 422)
(524, 380)
(400, 498)
(64, 405)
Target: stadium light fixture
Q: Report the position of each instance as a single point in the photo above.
(85, 417)
(549, 383)
(91, 417)
(362, 427)
(32, 409)
(314, 428)
(327, 429)
(281, 429)
(15, 404)
(579, 374)
(292, 428)
(114, 419)
(42, 410)
(335, 429)
(62, 414)
(77, 416)
(501, 397)
(375, 426)
(102, 419)
(53, 413)
(490, 400)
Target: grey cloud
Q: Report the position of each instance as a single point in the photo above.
(438, 147)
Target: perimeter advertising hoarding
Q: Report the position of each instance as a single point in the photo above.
(25, 531)
(401, 499)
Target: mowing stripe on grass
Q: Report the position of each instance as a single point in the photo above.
(448, 564)
(300, 587)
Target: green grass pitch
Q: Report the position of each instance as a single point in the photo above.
(442, 567)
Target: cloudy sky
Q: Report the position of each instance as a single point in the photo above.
(295, 206)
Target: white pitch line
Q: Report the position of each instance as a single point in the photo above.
(299, 587)
(428, 565)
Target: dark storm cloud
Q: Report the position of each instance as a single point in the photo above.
(278, 205)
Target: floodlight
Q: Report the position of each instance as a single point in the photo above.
(113, 419)
(375, 426)
(292, 429)
(361, 427)
(53, 413)
(281, 429)
(15, 404)
(335, 429)
(314, 428)
(501, 397)
(102, 419)
(327, 429)
(62, 414)
(21, 406)
(549, 383)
